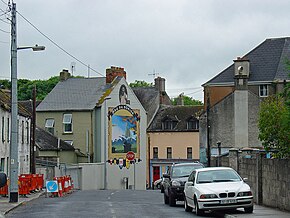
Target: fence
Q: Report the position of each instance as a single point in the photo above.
(268, 178)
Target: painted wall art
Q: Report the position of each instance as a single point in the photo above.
(123, 132)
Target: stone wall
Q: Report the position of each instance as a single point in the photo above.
(268, 178)
(276, 183)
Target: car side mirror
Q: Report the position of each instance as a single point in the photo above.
(190, 183)
(245, 179)
(3, 179)
(165, 175)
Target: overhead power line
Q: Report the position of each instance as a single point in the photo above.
(58, 46)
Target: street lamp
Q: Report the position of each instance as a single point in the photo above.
(105, 141)
(13, 165)
(34, 48)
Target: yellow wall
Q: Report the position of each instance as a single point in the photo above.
(179, 141)
(82, 122)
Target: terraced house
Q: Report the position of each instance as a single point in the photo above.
(24, 122)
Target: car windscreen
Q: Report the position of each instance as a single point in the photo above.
(184, 170)
(224, 175)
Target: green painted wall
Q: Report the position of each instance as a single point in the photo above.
(82, 121)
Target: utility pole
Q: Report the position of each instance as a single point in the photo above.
(33, 126)
(13, 166)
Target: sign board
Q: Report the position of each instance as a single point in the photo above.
(130, 155)
(51, 186)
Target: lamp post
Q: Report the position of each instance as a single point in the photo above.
(13, 165)
(105, 141)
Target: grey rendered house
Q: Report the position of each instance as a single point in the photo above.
(103, 120)
(232, 98)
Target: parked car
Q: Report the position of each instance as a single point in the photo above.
(174, 181)
(215, 188)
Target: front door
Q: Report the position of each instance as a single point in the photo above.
(156, 173)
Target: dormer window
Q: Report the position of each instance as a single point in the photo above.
(192, 123)
(168, 123)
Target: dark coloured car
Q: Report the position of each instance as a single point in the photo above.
(174, 181)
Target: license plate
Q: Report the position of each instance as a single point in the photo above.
(229, 201)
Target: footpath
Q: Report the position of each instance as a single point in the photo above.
(6, 206)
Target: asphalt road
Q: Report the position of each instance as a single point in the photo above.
(111, 204)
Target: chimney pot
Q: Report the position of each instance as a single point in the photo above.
(64, 75)
(113, 72)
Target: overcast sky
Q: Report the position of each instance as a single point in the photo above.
(185, 41)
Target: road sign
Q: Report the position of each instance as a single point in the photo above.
(51, 186)
(130, 155)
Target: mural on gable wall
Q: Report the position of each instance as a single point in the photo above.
(123, 132)
(124, 125)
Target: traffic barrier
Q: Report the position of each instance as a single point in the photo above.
(66, 187)
(34, 185)
(65, 184)
(24, 185)
(39, 181)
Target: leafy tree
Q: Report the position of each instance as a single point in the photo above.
(25, 87)
(139, 83)
(187, 101)
(5, 84)
(274, 126)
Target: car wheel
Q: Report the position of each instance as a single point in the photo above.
(162, 189)
(166, 199)
(172, 201)
(249, 209)
(198, 211)
(186, 207)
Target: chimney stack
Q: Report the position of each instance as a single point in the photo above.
(160, 84)
(180, 100)
(242, 73)
(113, 72)
(64, 75)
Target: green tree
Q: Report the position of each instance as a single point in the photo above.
(187, 101)
(139, 83)
(274, 126)
(25, 87)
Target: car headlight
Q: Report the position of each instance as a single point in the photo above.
(205, 196)
(242, 194)
(176, 183)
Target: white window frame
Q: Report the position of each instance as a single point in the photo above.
(67, 120)
(47, 123)
(263, 90)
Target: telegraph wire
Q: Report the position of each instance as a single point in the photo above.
(4, 31)
(4, 21)
(58, 46)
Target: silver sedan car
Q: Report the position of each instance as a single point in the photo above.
(216, 188)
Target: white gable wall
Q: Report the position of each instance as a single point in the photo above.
(115, 175)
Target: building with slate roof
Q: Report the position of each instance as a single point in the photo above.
(50, 149)
(102, 119)
(173, 137)
(267, 74)
(152, 97)
(232, 98)
(24, 122)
